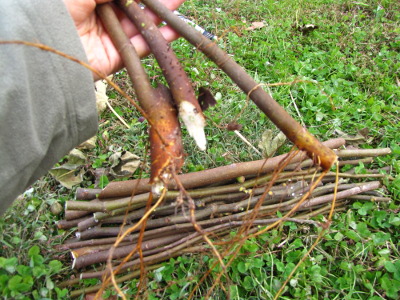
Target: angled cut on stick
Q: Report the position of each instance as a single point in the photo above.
(292, 129)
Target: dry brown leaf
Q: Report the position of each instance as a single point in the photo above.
(71, 173)
(123, 164)
(269, 144)
(101, 95)
(89, 144)
(256, 25)
(206, 98)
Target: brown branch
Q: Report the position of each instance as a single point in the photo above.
(340, 195)
(102, 256)
(363, 152)
(228, 193)
(86, 194)
(106, 206)
(370, 198)
(210, 176)
(67, 224)
(94, 249)
(69, 245)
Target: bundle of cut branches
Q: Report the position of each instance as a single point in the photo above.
(216, 206)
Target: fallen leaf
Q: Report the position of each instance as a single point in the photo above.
(355, 140)
(256, 25)
(71, 173)
(68, 175)
(88, 144)
(232, 126)
(364, 131)
(270, 144)
(123, 164)
(76, 157)
(101, 95)
(56, 208)
(206, 99)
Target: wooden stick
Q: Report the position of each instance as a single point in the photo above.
(207, 177)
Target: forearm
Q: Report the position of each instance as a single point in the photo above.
(47, 104)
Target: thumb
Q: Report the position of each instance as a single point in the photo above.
(102, 1)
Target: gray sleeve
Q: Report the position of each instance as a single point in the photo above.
(47, 103)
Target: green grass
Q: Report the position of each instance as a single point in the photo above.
(350, 62)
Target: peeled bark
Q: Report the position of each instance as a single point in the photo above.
(165, 158)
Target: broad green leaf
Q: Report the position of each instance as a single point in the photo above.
(380, 238)
(363, 230)
(39, 270)
(242, 268)
(55, 266)
(234, 292)
(61, 293)
(16, 284)
(10, 264)
(248, 283)
(352, 235)
(257, 263)
(49, 283)
(393, 268)
(316, 274)
(395, 221)
(24, 270)
(35, 250)
(103, 181)
(338, 236)
(40, 236)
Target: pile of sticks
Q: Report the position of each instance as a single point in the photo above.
(245, 194)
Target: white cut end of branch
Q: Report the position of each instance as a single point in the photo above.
(194, 122)
(157, 188)
(78, 235)
(73, 260)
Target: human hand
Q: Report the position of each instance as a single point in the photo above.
(99, 48)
